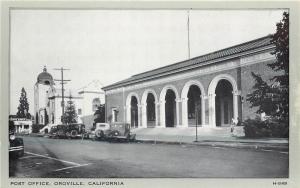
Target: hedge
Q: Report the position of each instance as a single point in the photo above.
(255, 128)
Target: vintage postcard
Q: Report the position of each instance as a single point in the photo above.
(139, 94)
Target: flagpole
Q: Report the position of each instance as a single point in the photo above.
(188, 32)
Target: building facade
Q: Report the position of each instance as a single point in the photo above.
(48, 101)
(22, 125)
(207, 91)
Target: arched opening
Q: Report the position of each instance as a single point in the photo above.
(134, 112)
(170, 108)
(224, 103)
(194, 106)
(150, 110)
(41, 120)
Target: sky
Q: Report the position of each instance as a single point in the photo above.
(112, 45)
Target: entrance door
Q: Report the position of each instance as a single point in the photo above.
(134, 112)
(224, 103)
(170, 108)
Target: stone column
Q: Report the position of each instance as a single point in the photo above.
(144, 115)
(177, 112)
(140, 116)
(235, 104)
(212, 110)
(184, 114)
(156, 114)
(162, 115)
(203, 98)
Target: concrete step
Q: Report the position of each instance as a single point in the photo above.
(189, 131)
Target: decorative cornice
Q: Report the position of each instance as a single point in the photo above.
(95, 92)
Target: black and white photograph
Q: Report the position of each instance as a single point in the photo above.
(149, 93)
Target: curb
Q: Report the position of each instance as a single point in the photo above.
(282, 147)
(239, 145)
(32, 135)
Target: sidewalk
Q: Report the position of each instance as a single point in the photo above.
(215, 138)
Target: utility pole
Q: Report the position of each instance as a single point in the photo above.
(62, 82)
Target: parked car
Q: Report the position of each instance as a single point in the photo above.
(62, 131)
(120, 131)
(53, 132)
(76, 130)
(101, 131)
(16, 145)
(73, 130)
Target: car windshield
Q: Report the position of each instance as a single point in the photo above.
(76, 126)
(120, 124)
(61, 126)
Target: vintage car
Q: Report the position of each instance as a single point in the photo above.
(76, 130)
(16, 145)
(53, 132)
(73, 130)
(100, 131)
(120, 131)
(61, 131)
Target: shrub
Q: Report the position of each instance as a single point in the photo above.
(36, 128)
(255, 128)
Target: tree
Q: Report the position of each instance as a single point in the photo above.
(70, 115)
(23, 108)
(36, 118)
(99, 115)
(273, 97)
(46, 117)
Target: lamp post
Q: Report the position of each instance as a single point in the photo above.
(197, 105)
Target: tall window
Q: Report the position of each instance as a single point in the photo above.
(150, 107)
(96, 103)
(115, 115)
(194, 105)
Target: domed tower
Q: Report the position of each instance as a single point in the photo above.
(42, 89)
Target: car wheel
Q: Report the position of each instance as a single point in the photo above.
(74, 133)
(99, 134)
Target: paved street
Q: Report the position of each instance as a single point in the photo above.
(58, 158)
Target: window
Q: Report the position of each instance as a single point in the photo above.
(150, 107)
(41, 120)
(96, 102)
(115, 115)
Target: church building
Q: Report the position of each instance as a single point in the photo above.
(48, 101)
(207, 91)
